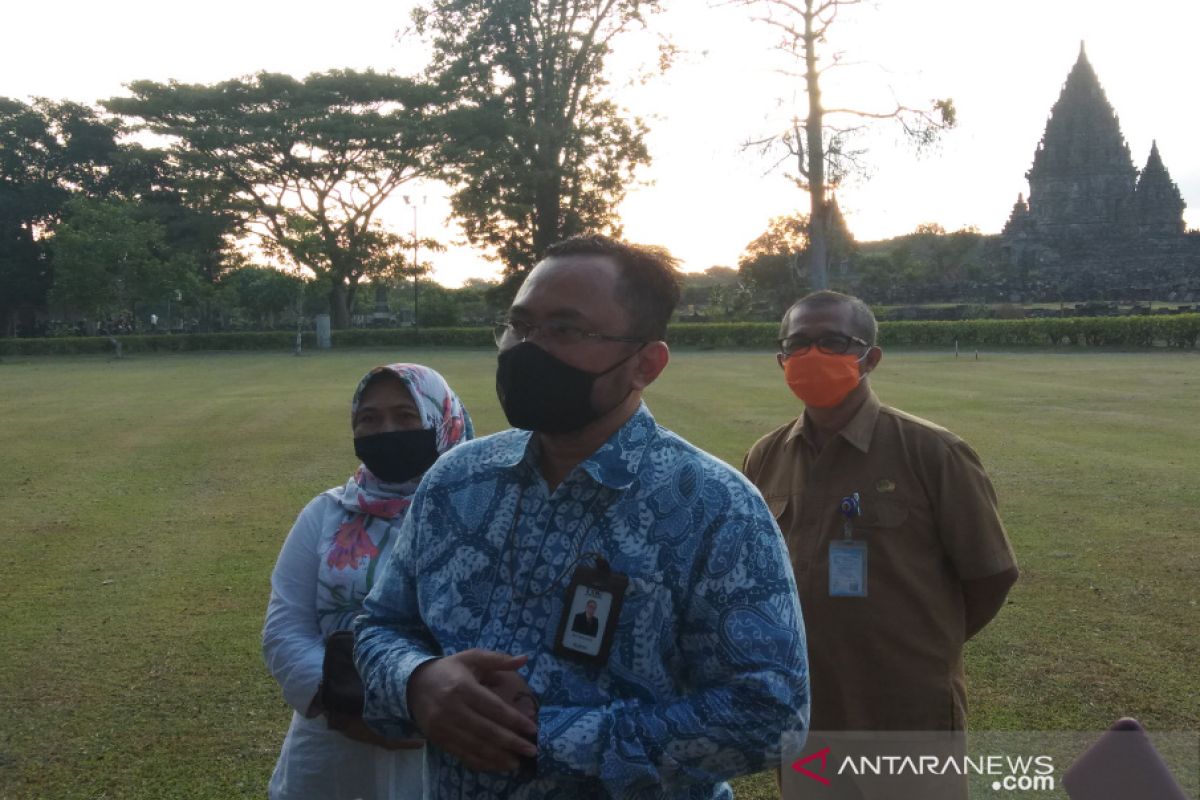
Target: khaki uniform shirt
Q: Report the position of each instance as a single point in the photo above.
(891, 660)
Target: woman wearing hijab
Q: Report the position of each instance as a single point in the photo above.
(403, 417)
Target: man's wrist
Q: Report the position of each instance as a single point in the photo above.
(412, 691)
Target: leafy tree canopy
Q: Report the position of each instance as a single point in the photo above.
(785, 235)
(303, 164)
(768, 267)
(111, 255)
(262, 291)
(539, 151)
(51, 152)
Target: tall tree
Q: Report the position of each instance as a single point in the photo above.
(112, 255)
(304, 164)
(201, 236)
(263, 292)
(768, 264)
(52, 153)
(540, 151)
(818, 142)
(48, 152)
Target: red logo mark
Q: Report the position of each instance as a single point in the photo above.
(821, 754)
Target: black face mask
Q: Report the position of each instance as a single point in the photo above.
(539, 392)
(397, 456)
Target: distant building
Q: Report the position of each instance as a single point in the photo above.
(1093, 225)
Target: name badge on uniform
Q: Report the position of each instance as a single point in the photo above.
(847, 557)
(848, 568)
(590, 611)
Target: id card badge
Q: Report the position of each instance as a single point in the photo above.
(590, 611)
(847, 568)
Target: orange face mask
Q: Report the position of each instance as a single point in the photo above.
(821, 380)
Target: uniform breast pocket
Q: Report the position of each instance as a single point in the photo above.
(894, 523)
(884, 514)
(778, 505)
(782, 507)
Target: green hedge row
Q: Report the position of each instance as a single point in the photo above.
(407, 337)
(1181, 330)
(714, 335)
(255, 340)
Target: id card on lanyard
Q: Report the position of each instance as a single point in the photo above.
(847, 556)
(590, 611)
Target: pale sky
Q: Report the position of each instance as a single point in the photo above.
(704, 197)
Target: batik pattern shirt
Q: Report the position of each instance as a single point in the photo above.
(707, 669)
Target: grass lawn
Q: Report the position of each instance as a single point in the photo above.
(143, 502)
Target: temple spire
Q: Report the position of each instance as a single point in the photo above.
(1155, 160)
(1082, 178)
(1018, 218)
(1157, 201)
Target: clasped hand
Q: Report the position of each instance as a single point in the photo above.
(475, 706)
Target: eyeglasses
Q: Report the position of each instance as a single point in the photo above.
(834, 344)
(554, 333)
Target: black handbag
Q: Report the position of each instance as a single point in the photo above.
(341, 692)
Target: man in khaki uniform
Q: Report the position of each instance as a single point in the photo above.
(924, 563)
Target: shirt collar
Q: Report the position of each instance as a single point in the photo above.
(508, 448)
(858, 431)
(861, 427)
(614, 464)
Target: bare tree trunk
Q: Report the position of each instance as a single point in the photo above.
(803, 25)
(818, 255)
(818, 219)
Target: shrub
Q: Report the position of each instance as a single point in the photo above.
(407, 337)
(1179, 330)
(188, 342)
(713, 335)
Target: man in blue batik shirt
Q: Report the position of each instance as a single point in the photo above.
(464, 639)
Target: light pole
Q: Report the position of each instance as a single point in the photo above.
(416, 268)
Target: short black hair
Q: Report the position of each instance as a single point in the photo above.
(862, 319)
(649, 289)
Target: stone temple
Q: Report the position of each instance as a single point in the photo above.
(1094, 226)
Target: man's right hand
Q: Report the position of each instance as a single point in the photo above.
(457, 712)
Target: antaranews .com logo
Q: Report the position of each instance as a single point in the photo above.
(1008, 773)
(1123, 761)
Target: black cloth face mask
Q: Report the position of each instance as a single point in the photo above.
(397, 456)
(539, 392)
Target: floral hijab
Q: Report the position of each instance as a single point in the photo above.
(347, 570)
(440, 410)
